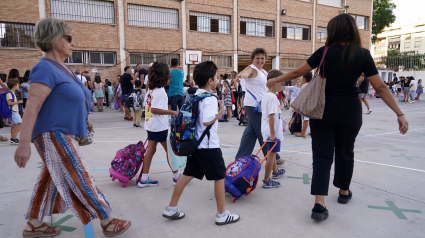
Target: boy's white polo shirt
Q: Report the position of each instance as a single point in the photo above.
(208, 108)
(271, 105)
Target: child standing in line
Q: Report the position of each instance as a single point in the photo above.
(156, 119)
(306, 79)
(227, 95)
(207, 160)
(16, 119)
(271, 128)
(110, 94)
(24, 90)
(137, 103)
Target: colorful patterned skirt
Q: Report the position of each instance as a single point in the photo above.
(65, 181)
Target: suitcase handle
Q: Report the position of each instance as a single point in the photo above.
(265, 157)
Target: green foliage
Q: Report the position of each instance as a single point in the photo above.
(383, 16)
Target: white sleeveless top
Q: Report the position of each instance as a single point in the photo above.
(257, 86)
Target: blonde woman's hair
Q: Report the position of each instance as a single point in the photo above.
(48, 31)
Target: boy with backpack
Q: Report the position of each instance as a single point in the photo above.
(137, 103)
(207, 160)
(272, 129)
(13, 104)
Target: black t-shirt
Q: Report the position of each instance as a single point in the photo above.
(88, 80)
(406, 83)
(126, 85)
(402, 82)
(364, 86)
(143, 71)
(395, 79)
(338, 80)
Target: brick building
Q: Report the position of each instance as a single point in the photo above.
(110, 34)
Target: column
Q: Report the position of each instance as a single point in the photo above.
(122, 34)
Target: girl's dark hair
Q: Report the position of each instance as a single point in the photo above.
(225, 76)
(97, 79)
(258, 51)
(109, 83)
(3, 77)
(25, 79)
(226, 82)
(342, 29)
(27, 73)
(158, 75)
(13, 73)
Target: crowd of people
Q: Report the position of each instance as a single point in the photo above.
(158, 92)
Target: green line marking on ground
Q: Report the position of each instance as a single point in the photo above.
(223, 146)
(305, 178)
(397, 211)
(378, 129)
(405, 156)
(59, 223)
(40, 164)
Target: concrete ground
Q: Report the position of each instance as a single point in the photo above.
(388, 200)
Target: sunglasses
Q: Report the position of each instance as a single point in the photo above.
(68, 38)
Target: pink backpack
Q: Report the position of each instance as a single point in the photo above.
(127, 162)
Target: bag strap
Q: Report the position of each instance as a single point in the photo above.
(323, 59)
(13, 99)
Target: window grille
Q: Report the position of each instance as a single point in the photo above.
(256, 27)
(156, 17)
(92, 58)
(407, 45)
(219, 60)
(17, 35)
(83, 10)
(418, 43)
(294, 31)
(76, 58)
(291, 63)
(334, 3)
(209, 22)
(322, 34)
(147, 58)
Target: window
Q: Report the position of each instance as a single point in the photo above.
(220, 61)
(147, 58)
(407, 45)
(92, 58)
(208, 22)
(83, 10)
(156, 17)
(256, 27)
(292, 63)
(334, 3)
(294, 31)
(362, 22)
(418, 42)
(17, 35)
(322, 34)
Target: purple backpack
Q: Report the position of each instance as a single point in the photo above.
(127, 162)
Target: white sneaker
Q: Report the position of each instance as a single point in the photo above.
(369, 111)
(173, 215)
(411, 101)
(227, 219)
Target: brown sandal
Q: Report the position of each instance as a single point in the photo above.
(36, 232)
(119, 227)
(2, 138)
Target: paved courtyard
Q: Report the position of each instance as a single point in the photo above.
(388, 186)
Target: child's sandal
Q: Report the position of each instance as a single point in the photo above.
(49, 231)
(120, 226)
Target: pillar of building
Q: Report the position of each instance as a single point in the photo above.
(42, 8)
(235, 35)
(122, 34)
(184, 30)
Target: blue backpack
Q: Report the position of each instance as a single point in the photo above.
(183, 127)
(6, 110)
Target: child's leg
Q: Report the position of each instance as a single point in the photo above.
(148, 156)
(271, 160)
(178, 189)
(101, 104)
(229, 113)
(164, 144)
(219, 195)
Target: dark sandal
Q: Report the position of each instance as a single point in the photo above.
(35, 232)
(119, 227)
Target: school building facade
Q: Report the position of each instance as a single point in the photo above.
(111, 34)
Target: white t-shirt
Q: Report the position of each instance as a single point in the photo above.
(257, 86)
(208, 108)
(413, 84)
(146, 80)
(156, 98)
(82, 78)
(271, 105)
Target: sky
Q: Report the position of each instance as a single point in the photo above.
(409, 9)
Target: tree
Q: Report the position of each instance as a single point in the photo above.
(383, 16)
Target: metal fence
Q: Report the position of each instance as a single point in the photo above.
(83, 10)
(408, 62)
(17, 35)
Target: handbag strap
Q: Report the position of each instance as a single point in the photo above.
(323, 60)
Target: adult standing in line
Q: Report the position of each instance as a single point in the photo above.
(234, 85)
(57, 116)
(336, 132)
(142, 73)
(363, 85)
(176, 92)
(105, 92)
(395, 79)
(255, 78)
(80, 77)
(89, 85)
(127, 82)
(412, 89)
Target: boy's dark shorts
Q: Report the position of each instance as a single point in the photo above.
(159, 136)
(208, 162)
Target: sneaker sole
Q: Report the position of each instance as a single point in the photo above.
(146, 185)
(343, 200)
(225, 223)
(267, 187)
(319, 216)
(173, 218)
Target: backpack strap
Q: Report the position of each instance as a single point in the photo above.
(13, 99)
(196, 114)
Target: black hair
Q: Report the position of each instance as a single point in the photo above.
(27, 73)
(97, 79)
(137, 83)
(343, 29)
(203, 72)
(174, 62)
(158, 75)
(109, 83)
(3, 77)
(13, 73)
(126, 67)
(308, 77)
(25, 79)
(225, 76)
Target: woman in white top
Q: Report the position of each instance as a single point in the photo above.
(255, 78)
